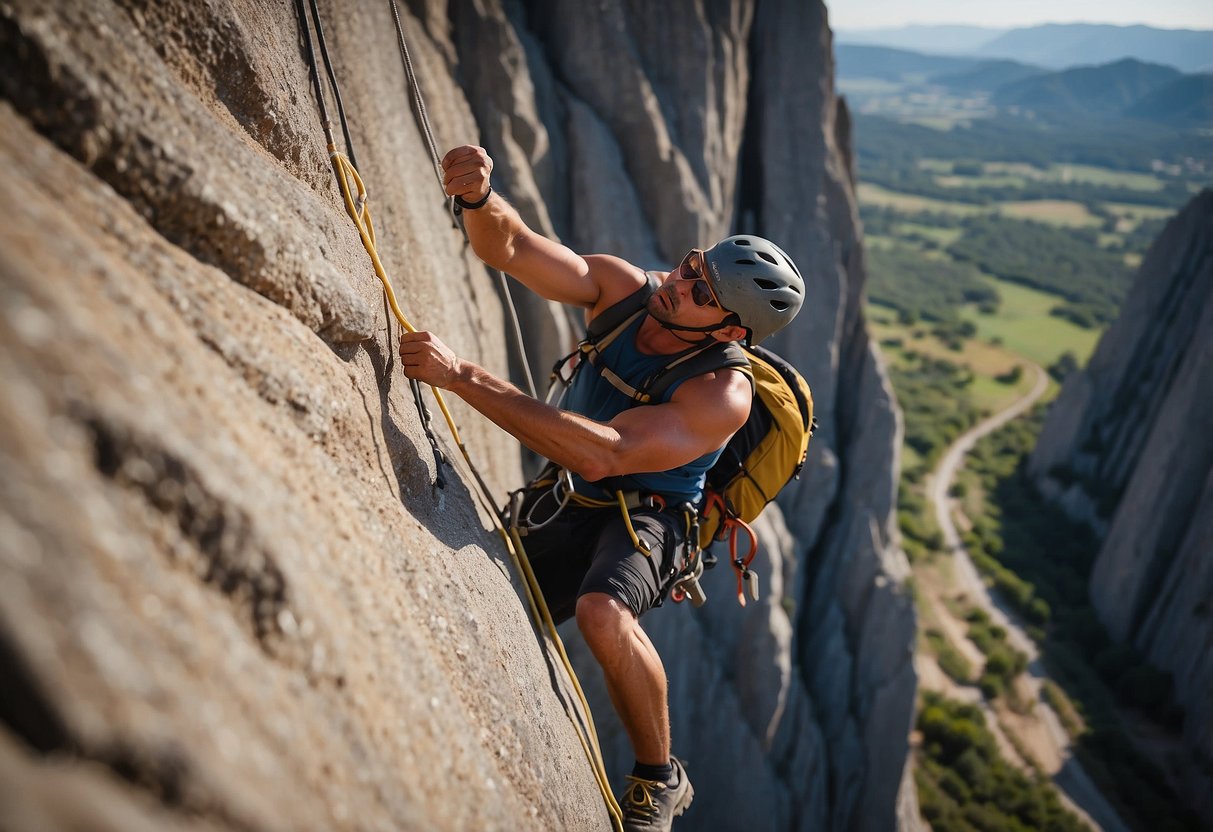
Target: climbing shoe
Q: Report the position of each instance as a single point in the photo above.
(651, 806)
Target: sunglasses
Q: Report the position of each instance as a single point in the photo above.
(692, 268)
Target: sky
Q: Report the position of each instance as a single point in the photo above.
(879, 14)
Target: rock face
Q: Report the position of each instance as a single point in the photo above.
(1127, 448)
(231, 595)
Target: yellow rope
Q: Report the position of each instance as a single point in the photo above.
(359, 210)
(640, 545)
(593, 751)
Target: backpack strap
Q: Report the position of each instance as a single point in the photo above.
(694, 361)
(604, 329)
(609, 325)
(715, 356)
(615, 318)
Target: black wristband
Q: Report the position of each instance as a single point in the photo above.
(472, 206)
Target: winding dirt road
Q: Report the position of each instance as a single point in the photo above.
(1068, 776)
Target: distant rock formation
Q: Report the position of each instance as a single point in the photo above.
(230, 595)
(1128, 449)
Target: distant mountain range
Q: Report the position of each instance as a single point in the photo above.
(896, 64)
(1053, 46)
(1058, 46)
(940, 40)
(987, 75)
(955, 72)
(1124, 88)
(1104, 90)
(1187, 101)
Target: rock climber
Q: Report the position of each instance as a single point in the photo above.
(742, 289)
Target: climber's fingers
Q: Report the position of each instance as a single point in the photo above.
(425, 358)
(466, 172)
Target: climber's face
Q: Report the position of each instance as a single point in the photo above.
(686, 298)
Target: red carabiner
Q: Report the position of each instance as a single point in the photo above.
(741, 565)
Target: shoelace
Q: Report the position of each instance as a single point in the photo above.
(640, 795)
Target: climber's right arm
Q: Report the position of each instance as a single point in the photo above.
(502, 240)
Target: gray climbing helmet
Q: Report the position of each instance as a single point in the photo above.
(755, 279)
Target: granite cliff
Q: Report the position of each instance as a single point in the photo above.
(1127, 449)
(231, 594)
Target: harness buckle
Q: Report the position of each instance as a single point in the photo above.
(565, 478)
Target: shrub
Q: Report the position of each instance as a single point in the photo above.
(951, 661)
(1011, 376)
(963, 784)
(1065, 364)
(1039, 612)
(954, 728)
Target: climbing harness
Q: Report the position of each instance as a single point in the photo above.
(556, 493)
(354, 194)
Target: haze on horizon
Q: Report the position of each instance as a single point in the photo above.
(888, 14)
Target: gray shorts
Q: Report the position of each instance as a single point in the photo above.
(589, 550)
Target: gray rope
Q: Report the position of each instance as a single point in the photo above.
(415, 93)
(526, 364)
(424, 122)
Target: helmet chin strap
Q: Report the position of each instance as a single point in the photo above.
(674, 329)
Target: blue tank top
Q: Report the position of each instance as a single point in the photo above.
(592, 396)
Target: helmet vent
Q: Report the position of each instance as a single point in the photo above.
(768, 258)
(779, 306)
(746, 262)
(769, 285)
(742, 242)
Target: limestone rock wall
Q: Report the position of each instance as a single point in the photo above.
(230, 594)
(1127, 448)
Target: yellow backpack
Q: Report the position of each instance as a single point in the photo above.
(767, 453)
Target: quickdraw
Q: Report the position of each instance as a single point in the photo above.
(747, 579)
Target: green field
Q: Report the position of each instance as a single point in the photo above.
(992, 395)
(1022, 329)
(868, 86)
(1103, 176)
(984, 181)
(876, 195)
(944, 123)
(987, 361)
(943, 236)
(1051, 211)
(1015, 174)
(1025, 327)
(1139, 212)
(1129, 216)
